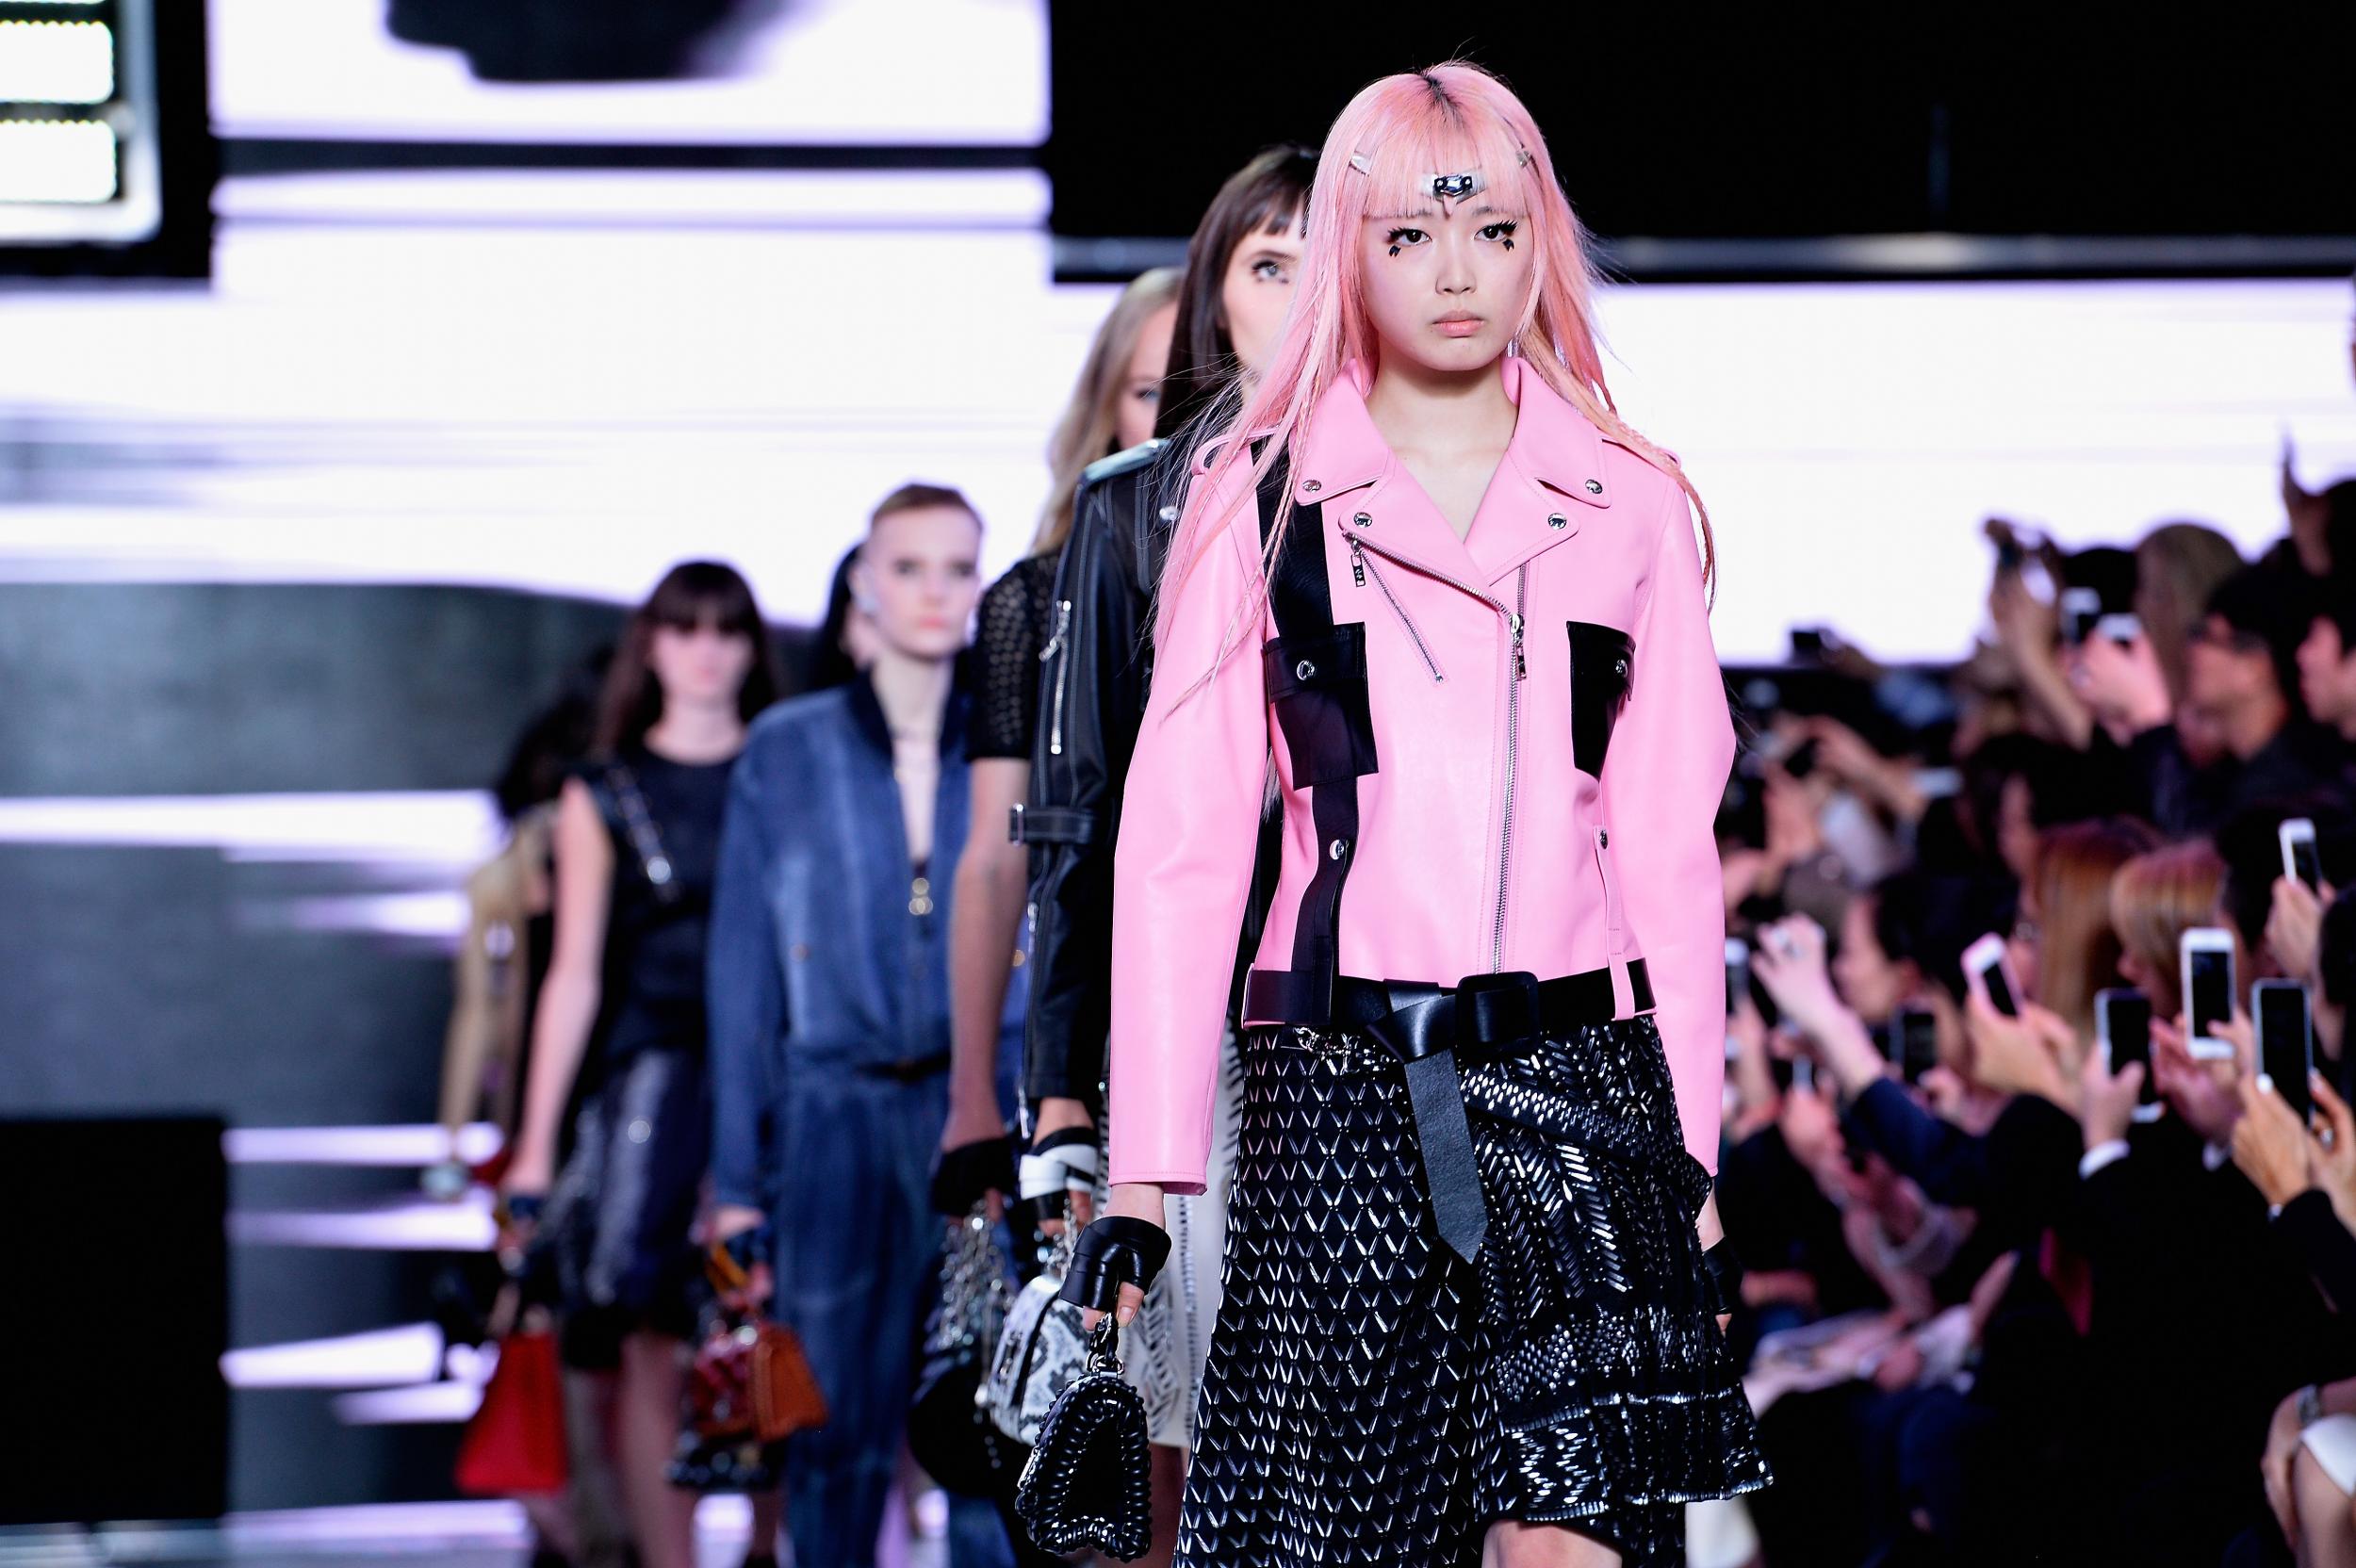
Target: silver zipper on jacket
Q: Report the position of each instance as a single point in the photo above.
(1513, 744)
(1055, 645)
(1359, 566)
(1517, 668)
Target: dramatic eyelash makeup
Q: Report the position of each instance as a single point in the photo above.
(1397, 237)
(1504, 229)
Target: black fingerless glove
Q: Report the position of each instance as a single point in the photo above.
(1114, 1252)
(969, 1170)
(1722, 1276)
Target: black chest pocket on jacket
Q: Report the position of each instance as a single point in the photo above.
(1602, 658)
(1317, 685)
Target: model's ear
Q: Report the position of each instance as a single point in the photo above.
(862, 586)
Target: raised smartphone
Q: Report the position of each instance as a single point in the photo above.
(2081, 612)
(2286, 1042)
(1913, 1042)
(2206, 955)
(2122, 1031)
(1986, 968)
(2301, 861)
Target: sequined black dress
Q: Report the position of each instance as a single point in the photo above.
(1373, 1400)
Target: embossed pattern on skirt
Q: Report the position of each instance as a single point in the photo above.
(1372, 1400)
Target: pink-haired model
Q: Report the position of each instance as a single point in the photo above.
(1432, 583)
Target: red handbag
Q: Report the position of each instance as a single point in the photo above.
(515, 1443)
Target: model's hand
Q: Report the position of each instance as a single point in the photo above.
(974, 1170)
(1710, 1232)
(1133, 1200)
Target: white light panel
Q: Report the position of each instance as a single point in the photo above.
(824, 72)
(516, 384)
(57, 62)
(56, 160)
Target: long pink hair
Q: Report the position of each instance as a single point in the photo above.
(1396, 132)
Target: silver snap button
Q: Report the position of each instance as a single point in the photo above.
(1362, 520)
(1311, 486)
(1619, 667)
(1594, 487)
(1335, 850)
(641, 1130)
(1603, 838)
(1556, 520)
(1304, 670)
(1170, 514)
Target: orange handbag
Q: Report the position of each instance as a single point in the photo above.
(750, 1378)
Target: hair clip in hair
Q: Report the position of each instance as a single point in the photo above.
(1455, 187)
(1360, 162)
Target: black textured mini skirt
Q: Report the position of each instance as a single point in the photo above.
(1373, 1399)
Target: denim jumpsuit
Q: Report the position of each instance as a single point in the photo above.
(829, 1004)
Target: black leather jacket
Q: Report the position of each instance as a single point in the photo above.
(1094, 674)
(1093, 678)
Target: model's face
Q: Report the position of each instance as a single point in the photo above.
(919, 571)
(699, 665)
(1444, 284)
(1141, 387)
(1257, 290)
(2224, 669)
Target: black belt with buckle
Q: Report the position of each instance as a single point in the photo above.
(1430, 1028)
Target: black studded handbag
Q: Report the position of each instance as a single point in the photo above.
(1089, 1480)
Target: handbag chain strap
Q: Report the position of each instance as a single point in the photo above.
(638, 821)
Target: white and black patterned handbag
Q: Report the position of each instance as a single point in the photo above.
(1042, 1351)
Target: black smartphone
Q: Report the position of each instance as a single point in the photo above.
(1738, 974)
(1808, 644)
(1803, 758)
(2122, 1031)
(1913, 1042)
(2286, 1042)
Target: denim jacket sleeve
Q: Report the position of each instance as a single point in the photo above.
(745, 993)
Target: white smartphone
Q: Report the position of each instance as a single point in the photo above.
(1804, 1072)
(2302, 862)
(2206, 955)
(1986, 966)
(2081, 612)
(2120, 629)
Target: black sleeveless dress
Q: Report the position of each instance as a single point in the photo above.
(620, 1212)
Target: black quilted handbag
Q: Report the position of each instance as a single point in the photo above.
(1089, 1480)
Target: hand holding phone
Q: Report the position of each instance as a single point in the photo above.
(2302, 860)
(2205, 956)
(2123, 1033)
(2286, 1047)
(1989, 972)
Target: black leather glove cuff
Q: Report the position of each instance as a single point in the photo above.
(1722, 1274)
(1114, 1252)
(969, 1170)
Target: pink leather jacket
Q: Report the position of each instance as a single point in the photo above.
(1501, 670)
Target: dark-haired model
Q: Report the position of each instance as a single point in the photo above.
(637, 838)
